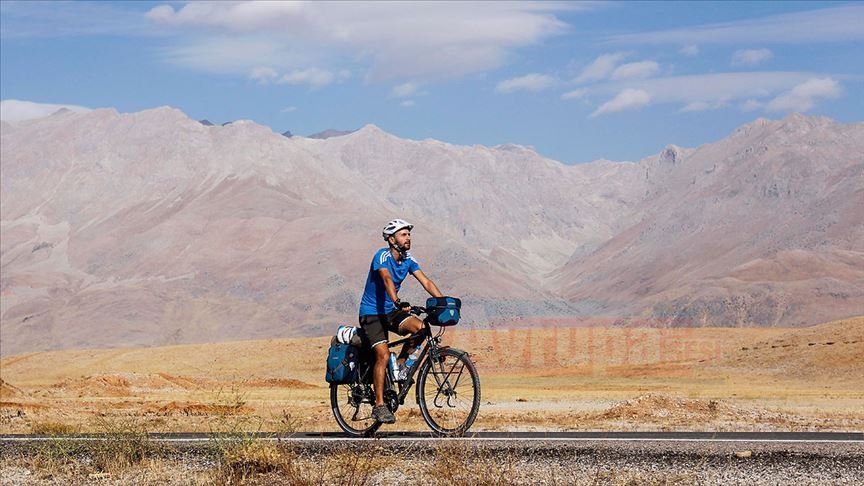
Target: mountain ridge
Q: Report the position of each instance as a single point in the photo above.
(151, 228)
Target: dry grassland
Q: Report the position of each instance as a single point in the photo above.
(537, 379)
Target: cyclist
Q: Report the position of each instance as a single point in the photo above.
(381, 310)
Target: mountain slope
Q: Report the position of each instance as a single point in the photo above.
(150, 228)
(765, 227)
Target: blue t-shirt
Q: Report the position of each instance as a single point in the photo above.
(375, 299)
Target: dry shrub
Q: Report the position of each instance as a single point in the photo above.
(351, 468)
(52, 428)
(230, 416)
(457, 462)
(55, 458)
(62, 460)
(249, 459)
(289, 423)
(122, 444)
(260, 462)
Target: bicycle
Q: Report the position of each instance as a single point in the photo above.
(448, 388)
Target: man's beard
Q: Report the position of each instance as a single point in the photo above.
(403, 248)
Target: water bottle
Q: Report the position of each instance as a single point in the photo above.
(409, 363)
(394, 367)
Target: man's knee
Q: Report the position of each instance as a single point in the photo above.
(381, 352)
(411, 325)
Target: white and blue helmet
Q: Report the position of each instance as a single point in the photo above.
(345, 333)
(394, 226)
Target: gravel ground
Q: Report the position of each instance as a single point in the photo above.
(484, 462)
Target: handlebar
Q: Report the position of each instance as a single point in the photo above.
(417, 310)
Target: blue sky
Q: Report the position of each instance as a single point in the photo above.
(577, 81)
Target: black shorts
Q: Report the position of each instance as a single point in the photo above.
(376, 326)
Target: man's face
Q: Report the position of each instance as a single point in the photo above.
(402, 239)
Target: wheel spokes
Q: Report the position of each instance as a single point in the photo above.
(451, 412)
(444, 383)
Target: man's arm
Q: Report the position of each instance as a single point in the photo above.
(389, 287)
(427, 284)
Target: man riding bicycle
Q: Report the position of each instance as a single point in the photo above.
(381, 310)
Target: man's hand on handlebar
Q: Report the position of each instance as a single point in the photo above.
(400, 304)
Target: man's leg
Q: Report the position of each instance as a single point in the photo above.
(411, 325)
(382, 355)
(376, 335)
(381, 412)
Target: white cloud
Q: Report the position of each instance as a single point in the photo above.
(802, 97)
(405, 90)
(697, 106)
(263, 74)
(751, 57)
(751, 105)
(575, 94)
(690, 50)
(394, 40)
(314, 78)
(600, 68)
(694, 106)
(236, 16)
(529, 82)
(642, 69)
(17, 110)
(709, 88)
(783, 90)
(23, 19)
(835, 24)
(629, 99)
(231, 55)
(289, 109)
(407, 103)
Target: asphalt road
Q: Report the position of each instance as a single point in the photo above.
(851, 437)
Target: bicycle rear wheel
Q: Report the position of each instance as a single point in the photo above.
(448, 392)
(352, 408)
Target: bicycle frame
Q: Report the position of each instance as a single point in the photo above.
(428, 349)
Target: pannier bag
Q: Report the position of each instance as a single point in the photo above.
(443, 311)
(342, 363)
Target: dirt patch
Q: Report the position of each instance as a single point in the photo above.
(23, 405)
(197, 409)
(280, 383)
(834, 348)
(126, 384)
(654, 406)
(163, 381)
(183, 382)
(96, 385)
(16, 413)
(665, 412)
(8, 390)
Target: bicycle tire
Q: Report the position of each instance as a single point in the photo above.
(340, 403)
(447, 373)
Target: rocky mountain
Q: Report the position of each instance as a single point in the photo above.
(765, 227)
(151, 228)
(330, 133)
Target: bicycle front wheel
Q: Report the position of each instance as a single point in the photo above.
(448, 392)
(352, 408)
